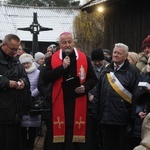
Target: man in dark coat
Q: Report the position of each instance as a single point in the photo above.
(14, 86)
(72, 77)
(115, 88)
(98, 63)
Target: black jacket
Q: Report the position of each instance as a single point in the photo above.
(142, 99)
(142, 96)
(113, 109)
(13, 102)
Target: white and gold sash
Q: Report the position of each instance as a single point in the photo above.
(117, 86)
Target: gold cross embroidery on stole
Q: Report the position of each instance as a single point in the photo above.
(80, 122)
(58, 122)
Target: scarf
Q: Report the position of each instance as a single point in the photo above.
(31, 69)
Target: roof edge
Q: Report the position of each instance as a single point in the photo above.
(37, 7)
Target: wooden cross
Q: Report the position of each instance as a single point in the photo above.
(58, 122)
(80, 122)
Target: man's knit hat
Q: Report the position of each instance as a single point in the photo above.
(97, 54)
(27, 50)
(146, 42)
(38, 55)
(107, 51)
(24, 58)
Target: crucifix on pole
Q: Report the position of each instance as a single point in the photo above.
(35, 28)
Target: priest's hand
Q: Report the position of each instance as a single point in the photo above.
(66, 62)
(80, 89)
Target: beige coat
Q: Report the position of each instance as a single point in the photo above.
(145, 143)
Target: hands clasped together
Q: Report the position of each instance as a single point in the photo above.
(18, 85)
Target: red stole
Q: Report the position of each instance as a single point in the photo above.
(58, 116)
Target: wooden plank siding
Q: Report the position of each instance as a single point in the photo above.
(126, 21)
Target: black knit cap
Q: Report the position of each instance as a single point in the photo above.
(97, 54)
(27, 50)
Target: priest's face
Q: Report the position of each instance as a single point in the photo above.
(66, 42)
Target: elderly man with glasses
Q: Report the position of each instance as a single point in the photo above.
(14, 89)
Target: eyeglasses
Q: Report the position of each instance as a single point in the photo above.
(12, 49)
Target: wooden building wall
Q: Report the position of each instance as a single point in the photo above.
(128, 23)
(42, 45)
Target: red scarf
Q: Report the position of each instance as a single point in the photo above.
(58, 115)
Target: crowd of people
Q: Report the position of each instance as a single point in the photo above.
(94, 102)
